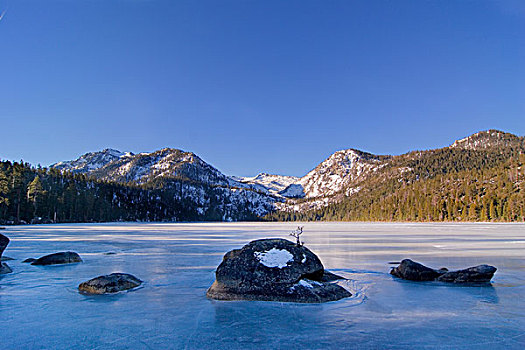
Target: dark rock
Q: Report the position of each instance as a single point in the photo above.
(274, 269)
(329, 277)
(413, 271)
(476, 274)
(2, 228)
(29, 260)
(58, 258)
(113, 283)
(4, 268)
(4, 241)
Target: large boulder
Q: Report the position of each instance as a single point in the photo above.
(413, 271)
(58, 258)
(113, 283)
(4, 268)
(476, 274)
(274, 269)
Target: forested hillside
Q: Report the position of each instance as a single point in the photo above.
(449, 184)
(35, 195)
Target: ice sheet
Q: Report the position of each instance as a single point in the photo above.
(41, 308)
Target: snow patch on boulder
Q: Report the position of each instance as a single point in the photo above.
(274, 257)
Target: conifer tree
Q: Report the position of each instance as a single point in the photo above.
(35, 192)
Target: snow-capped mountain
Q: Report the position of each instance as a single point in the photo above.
(195, 178)
(91, 161)
(165, 163)
(191, 180)
(337, 172)
(333, 179)
(330, 177)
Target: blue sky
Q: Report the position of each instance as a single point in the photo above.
(253, 86)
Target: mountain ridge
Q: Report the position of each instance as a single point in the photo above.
(342, 175)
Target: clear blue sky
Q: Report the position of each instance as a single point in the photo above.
(252, 86)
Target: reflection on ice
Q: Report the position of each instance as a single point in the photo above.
(43, 308)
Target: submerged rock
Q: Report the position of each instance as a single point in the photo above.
(113, 283)
(4, 268)
(28, 260)
(274, 270)
(480, 273)
(411, 270)
(58, 258)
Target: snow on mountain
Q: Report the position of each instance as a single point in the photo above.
(328, 178)
(293, 191)
(191, 179)
(260, 193)
(165, 163)
(341, 175)
(338, 171)
(91, 161)
(267, 183)
(487, 139)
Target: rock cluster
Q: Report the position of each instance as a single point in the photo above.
(413, 271)
(274, 270)
(112, 283)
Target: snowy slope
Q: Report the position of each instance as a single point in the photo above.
(267, 182)
(91, 161)
(165, 163)
(328, 178)
(337, 172)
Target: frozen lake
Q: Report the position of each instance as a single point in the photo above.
(40, 307)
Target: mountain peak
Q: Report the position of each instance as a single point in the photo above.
(91, 161)
(487, 139)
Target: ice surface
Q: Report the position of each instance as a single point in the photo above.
(40, 307)
(274, 257)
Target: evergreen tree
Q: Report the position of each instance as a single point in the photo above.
(35, 192)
